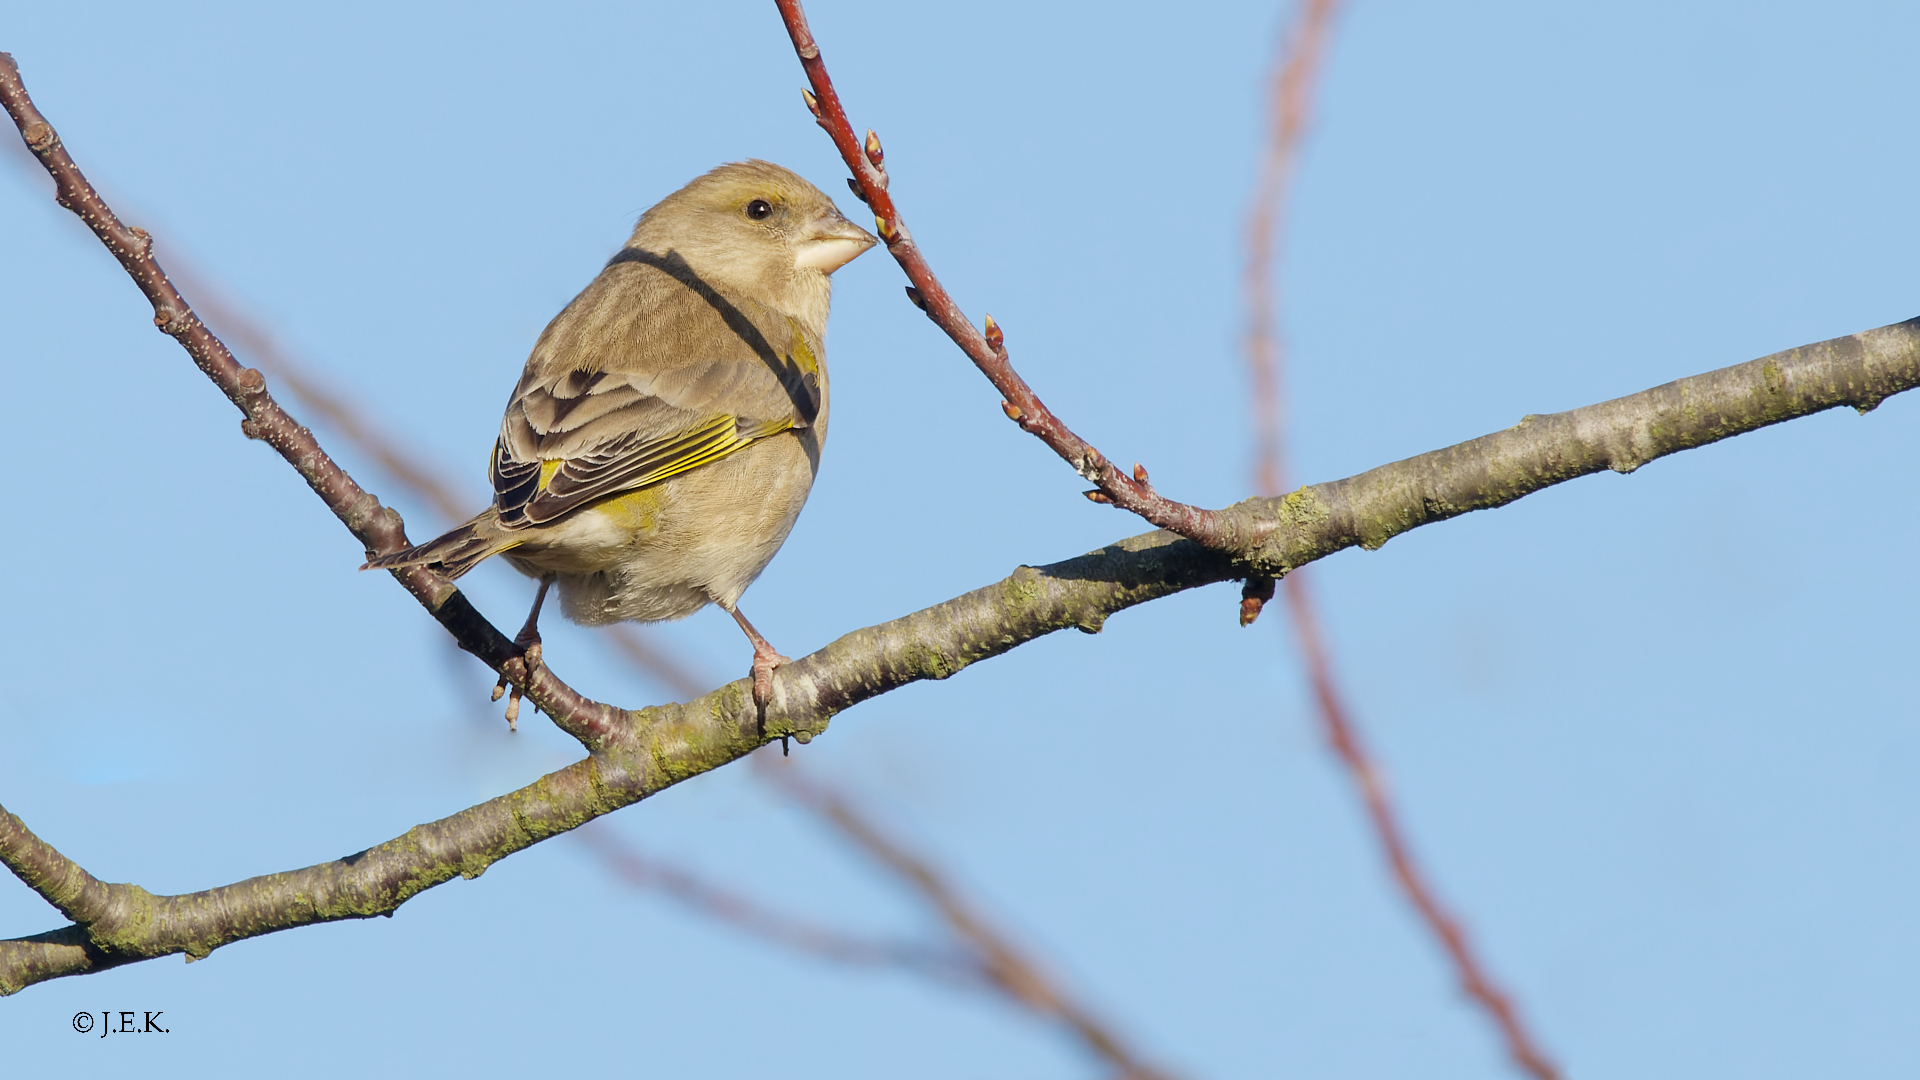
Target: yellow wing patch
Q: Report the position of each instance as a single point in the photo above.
(636, 511)
(714, 439)
(559, 490)
(801, 354)
(710, 442)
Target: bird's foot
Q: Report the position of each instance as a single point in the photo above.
(530, 662)
(512, 693)
(765, 659)
(528, 642)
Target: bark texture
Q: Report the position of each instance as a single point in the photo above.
(634, 753)
(653, 748)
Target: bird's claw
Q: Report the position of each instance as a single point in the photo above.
(530, 657)
(764, 663)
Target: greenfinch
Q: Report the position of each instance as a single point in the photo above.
(668, 425)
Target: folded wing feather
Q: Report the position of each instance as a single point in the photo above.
(576, 437)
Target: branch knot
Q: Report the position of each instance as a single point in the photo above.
(174, 322)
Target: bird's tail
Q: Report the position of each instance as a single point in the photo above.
(457, 552)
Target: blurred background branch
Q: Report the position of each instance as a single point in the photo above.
(1002, 965)
(405, 466)
(750, 917)
(1298, 63)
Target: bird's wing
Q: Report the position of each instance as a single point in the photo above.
(581, 436)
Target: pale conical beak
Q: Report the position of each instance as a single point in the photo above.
(833, 243)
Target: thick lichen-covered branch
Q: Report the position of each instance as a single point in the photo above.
(1859, 370)
(634, 754)
(1619, 435)
(669, 743)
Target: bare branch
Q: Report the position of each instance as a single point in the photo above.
(378, 528)
(59, 880)
(399, 462)
(1859, 370)
(334, 409)
(1296, 73)
(987, 348)
(636, 754)
(669, 743)
(120, 923)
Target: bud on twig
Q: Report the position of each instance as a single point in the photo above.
(880, 226)
(1098, 496)
(1253, 597)
(1139, 473)
(1013, 411)
(996, 340)
(854, 186)
(813, 103)
(39, 136)
(874, 153)
(919, 301)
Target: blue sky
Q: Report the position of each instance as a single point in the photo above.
(1654, 734)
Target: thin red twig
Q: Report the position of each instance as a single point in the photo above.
(1295, 75)
(986, 348)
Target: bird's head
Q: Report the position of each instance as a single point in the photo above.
(753, 226)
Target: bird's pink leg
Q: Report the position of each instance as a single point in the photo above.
(765, 659)
(528, 639)
(529, 636)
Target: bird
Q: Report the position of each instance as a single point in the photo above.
(667, 427)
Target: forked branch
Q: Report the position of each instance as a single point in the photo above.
(636, 754)
(987, 347)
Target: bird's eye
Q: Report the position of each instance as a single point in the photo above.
(759, 209)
